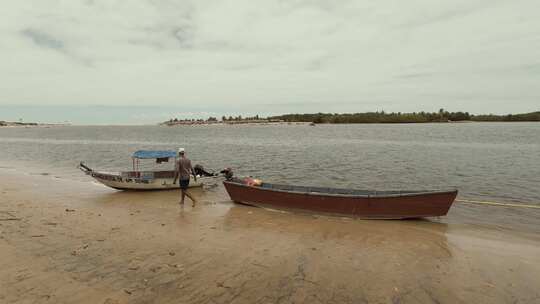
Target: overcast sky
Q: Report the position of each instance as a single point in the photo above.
(272, 56)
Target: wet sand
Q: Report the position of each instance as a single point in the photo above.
(75, 242)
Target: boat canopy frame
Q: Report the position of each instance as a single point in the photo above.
(158, 155)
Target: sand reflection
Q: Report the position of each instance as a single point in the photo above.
(386, 237)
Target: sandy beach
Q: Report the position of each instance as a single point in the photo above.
(67, 241)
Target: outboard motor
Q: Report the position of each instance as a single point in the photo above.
(199, 170)
(228, 173)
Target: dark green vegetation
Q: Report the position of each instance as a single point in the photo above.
(415, 117)
(533, 116)
(240, 118)
(8, 123)
(367, 117)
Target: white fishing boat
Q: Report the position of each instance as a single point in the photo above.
(137, 179)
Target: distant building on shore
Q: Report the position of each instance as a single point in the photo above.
(224, 120)
(175, 122)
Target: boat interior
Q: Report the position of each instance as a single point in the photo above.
(337, 191)
(148, 174)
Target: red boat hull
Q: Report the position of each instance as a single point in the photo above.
(425, 204)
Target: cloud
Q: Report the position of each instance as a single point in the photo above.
(43, 39)
(344, 55)
(184, 36)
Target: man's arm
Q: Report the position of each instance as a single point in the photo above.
(193, 172)
(175, 173)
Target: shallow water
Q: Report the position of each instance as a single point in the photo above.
(487, 161)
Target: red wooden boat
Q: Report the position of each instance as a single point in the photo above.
(356, 203)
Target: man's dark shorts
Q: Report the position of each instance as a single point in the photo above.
(184, 183)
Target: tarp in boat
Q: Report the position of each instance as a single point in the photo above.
(146, 154)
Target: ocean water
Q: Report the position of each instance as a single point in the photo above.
(484, 161)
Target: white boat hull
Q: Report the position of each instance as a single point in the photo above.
(116, 181)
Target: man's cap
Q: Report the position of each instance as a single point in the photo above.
(181, 150)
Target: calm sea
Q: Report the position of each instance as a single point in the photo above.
(485, 161)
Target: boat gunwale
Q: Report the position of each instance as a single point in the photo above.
(411, 194)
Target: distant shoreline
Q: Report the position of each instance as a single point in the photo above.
(362, 118)
(325, 118)
(441, 116)
(11, 124)
(330, 123)
(221, 124)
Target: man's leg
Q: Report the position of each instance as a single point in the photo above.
(190, 197)
(182, 196)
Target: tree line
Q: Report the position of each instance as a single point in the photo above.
(370, 117)
(240, 118)
(398, 117)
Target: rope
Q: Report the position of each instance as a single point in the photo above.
(498, 204)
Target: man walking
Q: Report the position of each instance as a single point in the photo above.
(183, 172)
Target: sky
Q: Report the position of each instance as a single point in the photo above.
(108, 61)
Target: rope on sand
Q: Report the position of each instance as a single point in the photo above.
(498, 204)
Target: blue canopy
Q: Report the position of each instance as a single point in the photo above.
(145, 154)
